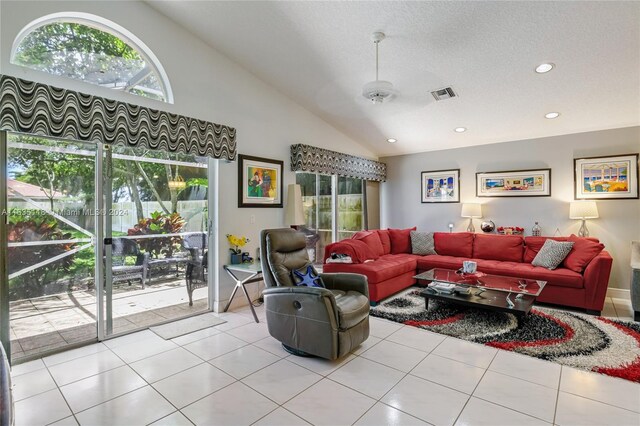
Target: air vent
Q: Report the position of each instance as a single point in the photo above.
(442, 94)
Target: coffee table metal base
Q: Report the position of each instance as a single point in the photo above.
(488, 299)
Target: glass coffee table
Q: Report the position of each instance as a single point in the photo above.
(485, 291)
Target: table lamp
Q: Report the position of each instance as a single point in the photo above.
(583, 210)
(294, 213)
(471, 210)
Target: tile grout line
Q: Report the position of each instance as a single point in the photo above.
(63, 397)
(475, 388)
(555, 410)
(403, 377)
(126, 393)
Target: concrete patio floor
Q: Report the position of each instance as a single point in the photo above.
(46, 323)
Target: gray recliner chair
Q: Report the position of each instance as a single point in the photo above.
(326, 322)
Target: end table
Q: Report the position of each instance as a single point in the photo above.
(255, 274)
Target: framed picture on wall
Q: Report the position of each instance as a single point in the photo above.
(259, 182)
(612, 177)
(440, 186)
(515, 183)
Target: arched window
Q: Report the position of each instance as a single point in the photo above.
(94, 50)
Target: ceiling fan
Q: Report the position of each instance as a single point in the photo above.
(378, 91)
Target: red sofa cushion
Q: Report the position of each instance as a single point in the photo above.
(387, 267)
(582, 252)
(400, 240)
(385, 240)
(356, 249)
(498, 247)
(371, 239)
(562, 277)
(453, 244)
(438, 261)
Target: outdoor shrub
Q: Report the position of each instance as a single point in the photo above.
(26, 229)
(158, 224)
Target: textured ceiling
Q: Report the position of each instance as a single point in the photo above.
(320, 54)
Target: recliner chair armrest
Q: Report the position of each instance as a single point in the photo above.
(312, 296)
(346, 282)
(316, 291)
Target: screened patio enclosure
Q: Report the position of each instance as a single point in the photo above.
(104, 216)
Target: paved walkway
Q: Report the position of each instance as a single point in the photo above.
(50, 322)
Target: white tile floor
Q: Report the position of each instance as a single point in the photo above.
(236, 374)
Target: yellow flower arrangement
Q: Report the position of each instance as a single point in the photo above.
(237, 243)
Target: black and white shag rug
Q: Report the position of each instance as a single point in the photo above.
(578, 340)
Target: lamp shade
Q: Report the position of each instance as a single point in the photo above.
(471, 210)
(583, 210)
(294, 214)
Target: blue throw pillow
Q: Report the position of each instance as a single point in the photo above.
(307, 277)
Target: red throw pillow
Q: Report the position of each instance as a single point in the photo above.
(400, 240)
(385, 240)
(371, 239)
(582, 252)
(356, 249)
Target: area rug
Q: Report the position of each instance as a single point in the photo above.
(578, 340)
(187, 325)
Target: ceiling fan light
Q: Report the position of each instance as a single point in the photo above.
(379, 91)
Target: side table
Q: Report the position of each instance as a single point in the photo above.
(255, 274)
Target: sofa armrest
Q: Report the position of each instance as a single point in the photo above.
(596, 280)
(346, 282)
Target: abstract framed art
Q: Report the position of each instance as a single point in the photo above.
(613, 177)
(440, 186)
(259, 182)
(514, 183)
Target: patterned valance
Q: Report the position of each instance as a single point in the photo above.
(306, 158)
(39, 109)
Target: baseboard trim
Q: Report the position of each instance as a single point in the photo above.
(619, 293)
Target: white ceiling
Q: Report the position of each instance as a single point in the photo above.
(320, 54)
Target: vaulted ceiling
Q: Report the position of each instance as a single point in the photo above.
(320, 54)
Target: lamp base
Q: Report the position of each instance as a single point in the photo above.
(471, 228)
(583, 232)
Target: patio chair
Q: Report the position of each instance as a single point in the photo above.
(196, 272)
(122, 248)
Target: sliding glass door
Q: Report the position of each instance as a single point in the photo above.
(334, 206)
(101, 241)
(317, 201)
(350, 205)
(157, 230)
(51, 244)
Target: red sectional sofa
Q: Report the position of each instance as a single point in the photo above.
(393, 266)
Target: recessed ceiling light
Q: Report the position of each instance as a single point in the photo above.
(460, 129)
(552, 115)
(392, 140)
(543, 68)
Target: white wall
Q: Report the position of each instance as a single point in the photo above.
(619, 221)
(206, 85)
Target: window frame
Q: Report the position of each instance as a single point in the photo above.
(107, 26)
